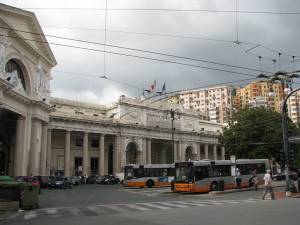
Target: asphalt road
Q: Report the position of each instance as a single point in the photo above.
(112, 205)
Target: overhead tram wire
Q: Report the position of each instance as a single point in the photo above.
(138, 50)
(105, 39)
(143, 33)
(139, 57)
(98, 77)
(169, 10)
(256, 45)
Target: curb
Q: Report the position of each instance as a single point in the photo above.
(240, 190)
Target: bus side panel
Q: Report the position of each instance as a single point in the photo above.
(140, 182)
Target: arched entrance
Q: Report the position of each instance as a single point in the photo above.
(8, 122)
(189, 154)
(132, 153)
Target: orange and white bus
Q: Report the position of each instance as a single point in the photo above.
(148, 175)
(209, 175)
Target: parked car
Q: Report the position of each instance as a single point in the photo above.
(91, 179)
(110, 179)
(99, 179)
(43, 180)
(61, 182)
(75, 180)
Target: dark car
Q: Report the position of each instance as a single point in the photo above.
(61, 182)
(99, 179)
(91, 179)
(43, 180)
(75, 180)
(110, 179)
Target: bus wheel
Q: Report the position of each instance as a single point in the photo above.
(150, 183)
(214, 186)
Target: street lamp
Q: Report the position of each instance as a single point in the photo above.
(173, 116)
(285, 141)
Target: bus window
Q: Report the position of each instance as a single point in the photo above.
(200, 172)
(183, 174)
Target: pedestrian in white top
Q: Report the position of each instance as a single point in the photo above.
(268, 185)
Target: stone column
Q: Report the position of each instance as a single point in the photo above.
(85, 154)
(181, 152)
(199, 151)
(206, 150)
(67, 153)
(122, 153)
(48, 163)
(43, 160)
(149, 151)
(175, 151)
(144, 151)
(215, 152)
(19, 148)
(223, 152)
(36, 133)
(116, 156)
(101, 156)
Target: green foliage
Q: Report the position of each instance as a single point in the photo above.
(255, 133)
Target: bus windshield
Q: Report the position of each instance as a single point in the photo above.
(183, 173)
(129, 173)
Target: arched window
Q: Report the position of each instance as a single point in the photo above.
(11, 66)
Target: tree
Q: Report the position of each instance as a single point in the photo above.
(255, 133)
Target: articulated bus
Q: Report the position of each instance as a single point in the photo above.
(207, 175)
(148, 175)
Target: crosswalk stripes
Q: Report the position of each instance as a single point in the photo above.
(30, 215)
(126, 208)
(155, 206)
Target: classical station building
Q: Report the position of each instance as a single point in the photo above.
(40, 135)
(102, 139)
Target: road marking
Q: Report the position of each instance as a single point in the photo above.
(172, 204)
(75, 211)
(153, 205)
(209, 202)
(51, 211)
(117, 208)
(96, 209)
(190, 203)
(137, 207)
(123, 208)
(230, 201)
(30, 215)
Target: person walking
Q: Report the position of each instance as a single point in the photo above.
(268, 185)
(238, 179)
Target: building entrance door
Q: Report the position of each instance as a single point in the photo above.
(3, 156)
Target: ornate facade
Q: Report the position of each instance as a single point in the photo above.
(43, 136)
(25, 64)
(101, 140)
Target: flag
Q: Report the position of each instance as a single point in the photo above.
(153, 86)
(163, 90)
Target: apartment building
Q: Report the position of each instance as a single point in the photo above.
(214, 102)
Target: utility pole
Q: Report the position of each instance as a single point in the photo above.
(285, 141)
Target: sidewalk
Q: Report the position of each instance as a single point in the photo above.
(276, 184)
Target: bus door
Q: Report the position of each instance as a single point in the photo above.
(163, 175)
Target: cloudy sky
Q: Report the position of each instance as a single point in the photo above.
(197, 29)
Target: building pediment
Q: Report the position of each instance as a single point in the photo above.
(23, 25)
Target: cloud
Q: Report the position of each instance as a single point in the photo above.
(276, 31)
